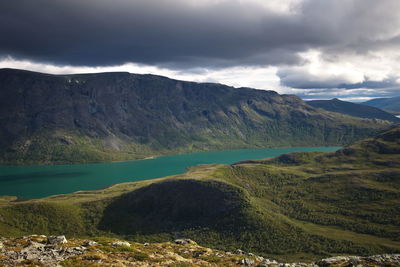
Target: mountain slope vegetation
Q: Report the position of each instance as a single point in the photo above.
(352, 109)
(122, 116)
(297, 206)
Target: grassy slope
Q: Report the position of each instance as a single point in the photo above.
(65, 147)
(297, 206)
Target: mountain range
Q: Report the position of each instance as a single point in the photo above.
(121, 116)
(388, 104)
(353, 109)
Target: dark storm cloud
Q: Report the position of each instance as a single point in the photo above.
(385, 84)
(178, 33)
(103, 32)
(302, 79)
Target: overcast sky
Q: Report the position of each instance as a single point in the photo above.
(316, 49)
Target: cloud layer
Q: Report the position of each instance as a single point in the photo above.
(311, 44)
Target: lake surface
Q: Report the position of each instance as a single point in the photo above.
(44, 180)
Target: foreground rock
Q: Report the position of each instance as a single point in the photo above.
(37, 250)
(377, 260)
(58, 251)
(57, 240)
(121, 244)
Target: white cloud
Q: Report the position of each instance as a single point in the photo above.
(321, 71)
(255, 77)
(276, 6)
(325, 73)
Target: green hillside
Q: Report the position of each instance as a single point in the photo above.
(121, 116)
(299, 206)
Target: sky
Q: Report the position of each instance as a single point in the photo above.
(347, 49)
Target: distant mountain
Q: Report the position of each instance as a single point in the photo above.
(388, 104)
(352, 109)
(121, 116)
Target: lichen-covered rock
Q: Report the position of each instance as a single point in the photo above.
(22, 251)
(90, 243)
(376, 260)
(247, 262)
(30, 251)
(121, 244)
(239, 252)
(57, 240)
(184, 241)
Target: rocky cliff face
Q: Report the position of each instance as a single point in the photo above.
(58, 251)
(114, 116)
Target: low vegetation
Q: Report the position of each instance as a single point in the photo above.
(296, 207)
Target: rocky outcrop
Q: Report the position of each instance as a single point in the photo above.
(121, 244)
(34, 250)
(376, 260)
(57, 240)
(58, 251)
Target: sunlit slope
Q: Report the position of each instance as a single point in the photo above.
(299, 205)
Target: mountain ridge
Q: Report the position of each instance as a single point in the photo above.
(353, 109)
(389, 104)
(121, 116)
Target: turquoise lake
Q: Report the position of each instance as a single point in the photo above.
(44, 180)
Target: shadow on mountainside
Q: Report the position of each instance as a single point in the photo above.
(175, 205)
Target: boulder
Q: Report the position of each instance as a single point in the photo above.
(54, 240)
(90, 243)
(81, 249)
(184, 241)
(121, 244)
(239, 252)
(247, 262)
